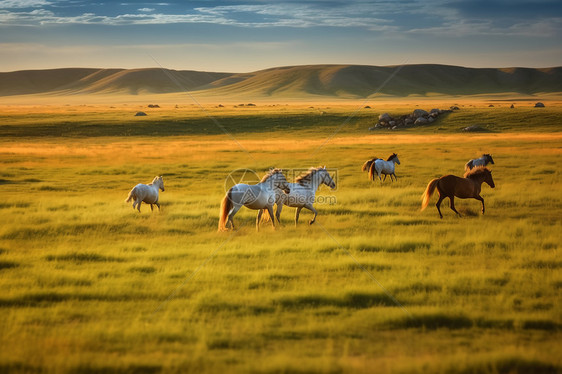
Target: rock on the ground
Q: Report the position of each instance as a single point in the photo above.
(385, 117)
(420, 113)
(474, 128)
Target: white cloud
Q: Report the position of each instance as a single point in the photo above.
(460, 28)
(258, 16)
(21, 4)
(430, 17)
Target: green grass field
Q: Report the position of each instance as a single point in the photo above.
(91, 286)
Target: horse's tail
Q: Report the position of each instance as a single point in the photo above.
(372, 171)
(265, 217)
(366, 165)
(428, 192)
(226, 206)
(131, 195)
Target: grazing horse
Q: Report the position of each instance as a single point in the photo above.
(368, 163)
(464, 188)
(481, 161)
(302, 193)
(258, 197)
(146, 193)
(387, 167)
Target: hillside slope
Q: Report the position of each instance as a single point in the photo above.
(341, 81)
(85, 81)
(362, 81)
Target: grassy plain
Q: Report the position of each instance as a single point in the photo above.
(90, 286)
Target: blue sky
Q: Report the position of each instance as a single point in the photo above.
(241, 36)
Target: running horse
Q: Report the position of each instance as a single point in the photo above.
(380, 166)
(452, 186)
(257, 196)
(481, 161)
(146, 193)
(302, 193)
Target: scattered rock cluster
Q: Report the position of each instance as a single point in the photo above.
(153, 106)
(418, 117)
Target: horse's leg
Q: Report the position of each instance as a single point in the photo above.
(297, 215)
(231, 214)
(158, 205)
(394, 175)
(138, 205)
(278, 212)
(260, 212)
(270, 210)
(438, 205)
(151, 208)
(311, 208)
(452, 199)
(385, 177)
(482, 201)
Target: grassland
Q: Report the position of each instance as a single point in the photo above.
(90, 286)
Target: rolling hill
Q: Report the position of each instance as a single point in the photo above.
(336, 81)
(107, 81)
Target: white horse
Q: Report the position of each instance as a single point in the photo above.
(481, 161)
(303, 193)
(147, 193)
(387, 167)
(258, 196)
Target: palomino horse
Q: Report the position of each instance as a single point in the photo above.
(258, 196)
(481, 161)
(303, 193)
(146, 193)
(387, 167)
(464, 188)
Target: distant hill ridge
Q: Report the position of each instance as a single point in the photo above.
(341, 81)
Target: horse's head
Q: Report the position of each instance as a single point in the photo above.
(394, 158)
(159, 182)
(488, 178)
(489, 158)
(326, 178)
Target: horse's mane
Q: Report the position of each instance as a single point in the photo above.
(270, 174)
(391, 156)
(302, 179)
(476, 172)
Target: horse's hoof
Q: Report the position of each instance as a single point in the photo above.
(310, 222)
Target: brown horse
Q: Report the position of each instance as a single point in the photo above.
(464, 188)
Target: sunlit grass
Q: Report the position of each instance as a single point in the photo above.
(89, 285)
